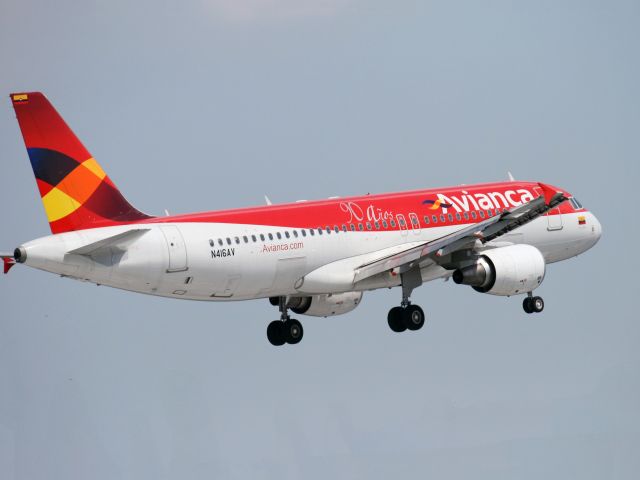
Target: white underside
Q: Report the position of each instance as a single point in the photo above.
(175, 260)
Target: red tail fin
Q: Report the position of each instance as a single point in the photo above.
(75, 191)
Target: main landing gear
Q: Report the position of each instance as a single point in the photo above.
(286, 330)
(407, 316)
(410, 317)
(532, 304)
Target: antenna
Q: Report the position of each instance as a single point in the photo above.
(511, 179)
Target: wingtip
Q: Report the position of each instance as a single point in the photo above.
(8, 263)
(548, 192)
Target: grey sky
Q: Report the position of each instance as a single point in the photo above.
(211, 104)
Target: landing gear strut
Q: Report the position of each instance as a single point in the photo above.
(532, 304)
(287, 329)
(407, 316)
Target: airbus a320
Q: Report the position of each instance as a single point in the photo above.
(309, 257)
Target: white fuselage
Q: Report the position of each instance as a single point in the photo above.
(186, 260)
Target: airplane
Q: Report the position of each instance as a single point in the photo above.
(312, 258)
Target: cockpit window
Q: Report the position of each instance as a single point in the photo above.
(575, 203)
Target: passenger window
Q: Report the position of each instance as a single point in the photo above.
(336, 229)
(368, 225)
(377, 225)
(489, 213)
(442, 218)
(393, 223)
(237, 240)
(481, 213)
(286, 234)
(228, 241)
(295, 233)
(473, 215)
(303, 232)
(320, 230)
(312, 232)
(278, 235)
(344, 227)
(466, 215)
(426, 219)
(270, 236)
(352, 227)
(384, 223)
(253, 237)
(450, 217)
(434, 218)
(246, 240)
(328, 229)
(220, 242)
(360, 227)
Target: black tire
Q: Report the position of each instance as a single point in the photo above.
(527, 305)
(413, 317)
(537, 304)
(394, 319)
(275, 333)
(275, 301)
(293, 331)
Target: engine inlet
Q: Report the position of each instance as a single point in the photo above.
(20, 255)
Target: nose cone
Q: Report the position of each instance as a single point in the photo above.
(596, 229)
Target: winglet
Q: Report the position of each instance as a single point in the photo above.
(8, 262)
(549, 193)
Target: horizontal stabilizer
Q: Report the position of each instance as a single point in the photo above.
(121, 240)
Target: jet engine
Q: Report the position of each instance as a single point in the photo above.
(504, 271)
(326, 305)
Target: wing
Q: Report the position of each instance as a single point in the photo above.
(466, 237)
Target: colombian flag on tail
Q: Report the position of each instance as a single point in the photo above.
(76, 192)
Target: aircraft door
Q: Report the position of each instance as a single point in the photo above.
(176, 247)
(554, 219)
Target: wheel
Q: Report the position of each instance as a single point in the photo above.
(275, 333)
(527, 305)
(537, 304)
(293, 331)
(413, 317)
(394, 319)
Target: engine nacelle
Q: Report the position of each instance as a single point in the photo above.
(504, 271)
(325, 305)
